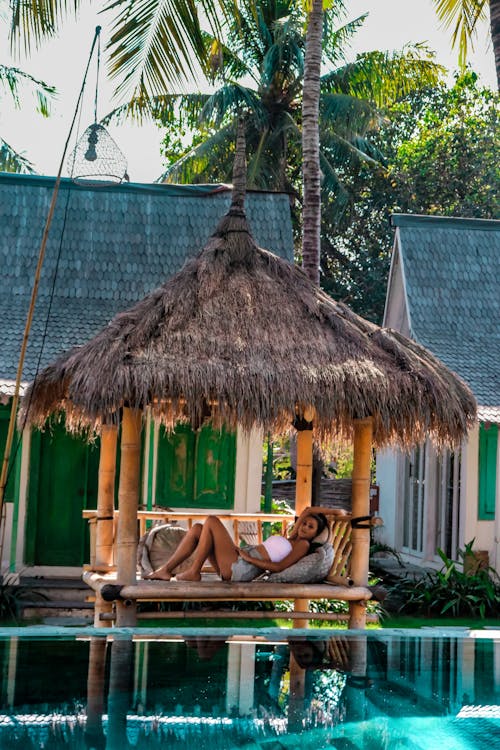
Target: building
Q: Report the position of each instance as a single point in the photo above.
(444, 292)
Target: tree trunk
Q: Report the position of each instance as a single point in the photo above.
(311, 213)
(495, 35)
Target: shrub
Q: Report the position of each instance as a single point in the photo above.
(452, 590)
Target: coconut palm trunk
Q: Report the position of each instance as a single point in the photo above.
(495, 35)
(311, 211)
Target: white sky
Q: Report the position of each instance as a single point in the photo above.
(61, 62)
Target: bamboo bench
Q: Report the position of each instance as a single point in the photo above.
(337, 586)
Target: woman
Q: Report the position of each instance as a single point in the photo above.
(212, 541)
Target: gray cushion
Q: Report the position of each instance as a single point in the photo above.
(309, 569)
(157, 545)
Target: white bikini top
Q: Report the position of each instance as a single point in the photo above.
(278, 547)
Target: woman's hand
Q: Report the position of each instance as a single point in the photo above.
(246, 556)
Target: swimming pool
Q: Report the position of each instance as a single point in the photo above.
(258, 690)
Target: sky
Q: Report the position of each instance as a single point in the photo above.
(62, 61)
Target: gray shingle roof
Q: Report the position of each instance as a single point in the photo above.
(116, 244)
(451, 269)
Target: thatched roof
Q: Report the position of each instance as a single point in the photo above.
(246, 337)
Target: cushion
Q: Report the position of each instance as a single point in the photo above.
(157, 545)
(312, 568)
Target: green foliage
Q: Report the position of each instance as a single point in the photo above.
(12, 597)
(258, 69)
(452, 590)
(440, 148)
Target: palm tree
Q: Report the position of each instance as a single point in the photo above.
(311, 169)
(260, 70)
(13, 80)
(464, 16)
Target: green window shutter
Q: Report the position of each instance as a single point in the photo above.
(215, 469)
(175, 472)
(196, 469)
(488, 441)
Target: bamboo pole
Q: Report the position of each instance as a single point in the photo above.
(106, 497)
(128, 503)
(94, 733)
(120, 692)
(303, 483)
(363, 429)
(296, 695)
(303, 491)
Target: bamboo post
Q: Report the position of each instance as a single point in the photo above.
(101, 608)
(355, 689)
(360, 538)
(106, 497)
(128, 503)
(296, 695)
(303, 482)
(303, 486)
(94, 733)
(120, 692)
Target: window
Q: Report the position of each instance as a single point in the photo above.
(488, 441)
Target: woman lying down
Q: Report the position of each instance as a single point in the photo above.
(212, 541)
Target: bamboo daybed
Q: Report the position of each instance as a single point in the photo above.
(338, 584)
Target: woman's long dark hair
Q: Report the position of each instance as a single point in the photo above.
(322, 522)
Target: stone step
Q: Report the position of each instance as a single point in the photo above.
(54, 589)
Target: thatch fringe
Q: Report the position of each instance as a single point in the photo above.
(241, 336)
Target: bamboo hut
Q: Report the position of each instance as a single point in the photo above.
(241, 337)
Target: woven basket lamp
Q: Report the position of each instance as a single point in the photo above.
(96, 159)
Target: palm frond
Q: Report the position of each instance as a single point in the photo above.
(224, 62)
(347, 114)
(231, 99)
(184, 108)
(33, 22)
(14, 80)
(156, 44)
(196, 163)
(13, 161)
(335, 40)
(384, 77)
(464, 16)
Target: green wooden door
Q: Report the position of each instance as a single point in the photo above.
(196, 469)
(11, 489)
(63, 481)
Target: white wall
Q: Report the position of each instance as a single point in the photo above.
(248, 479)
(390, 513)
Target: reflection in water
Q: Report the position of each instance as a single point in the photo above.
(380, 691)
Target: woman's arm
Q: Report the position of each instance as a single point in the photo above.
(298, 551)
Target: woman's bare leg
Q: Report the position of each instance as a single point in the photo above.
(215, 542)
(186, 547)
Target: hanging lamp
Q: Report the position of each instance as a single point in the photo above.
(96, 159)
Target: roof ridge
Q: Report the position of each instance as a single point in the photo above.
(458, 222)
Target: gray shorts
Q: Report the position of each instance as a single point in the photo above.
(243, 570)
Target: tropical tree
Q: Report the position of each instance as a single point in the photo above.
(463, 16)
(441, 157)
(260, 70)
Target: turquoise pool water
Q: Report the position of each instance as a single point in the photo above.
(255, 690)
